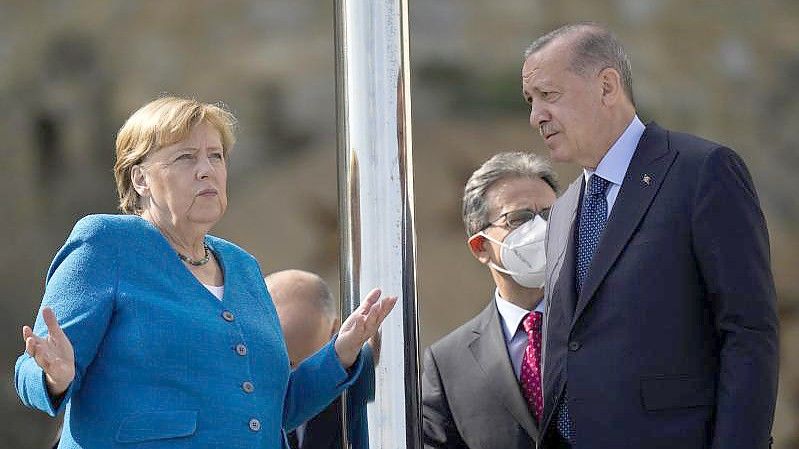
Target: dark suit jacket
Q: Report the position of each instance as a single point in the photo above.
(323, 431)
(470, 395)
(672, 343)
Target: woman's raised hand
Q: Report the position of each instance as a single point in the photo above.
(362, 324)
(53, 353)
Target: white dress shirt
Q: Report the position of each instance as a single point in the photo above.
(215, 290)
(515, 336)
(613, 166)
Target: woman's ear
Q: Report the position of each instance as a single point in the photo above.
(138, 180)
(477, 245)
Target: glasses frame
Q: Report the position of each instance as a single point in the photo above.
(543, 213)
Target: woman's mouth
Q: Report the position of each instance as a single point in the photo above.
(207, 192)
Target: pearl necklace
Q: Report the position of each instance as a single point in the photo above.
(197, 262)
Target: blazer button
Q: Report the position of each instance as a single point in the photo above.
(241, 349)
(255, 425)
(227, 315)
(248, 387)
(574, 345)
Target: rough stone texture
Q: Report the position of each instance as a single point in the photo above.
(72, 71)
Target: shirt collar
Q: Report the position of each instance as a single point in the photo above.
(613, 165)
(512, 314)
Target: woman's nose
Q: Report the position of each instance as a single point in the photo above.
(204, 167)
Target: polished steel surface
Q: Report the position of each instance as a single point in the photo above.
(376, 201)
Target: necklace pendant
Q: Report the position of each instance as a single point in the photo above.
(196, 262)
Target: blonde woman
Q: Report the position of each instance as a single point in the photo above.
(153, 333)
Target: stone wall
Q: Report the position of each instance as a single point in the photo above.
(73, 70)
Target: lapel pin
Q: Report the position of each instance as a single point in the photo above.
(646, 179)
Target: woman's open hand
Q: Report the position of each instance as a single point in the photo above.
(53, 353)
(362, 324)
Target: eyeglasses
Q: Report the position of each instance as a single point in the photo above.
(516, 218)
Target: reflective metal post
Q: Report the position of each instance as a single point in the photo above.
(376, 202)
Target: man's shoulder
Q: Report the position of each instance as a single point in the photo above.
(464, 334)
(699, 158)
(694, 147)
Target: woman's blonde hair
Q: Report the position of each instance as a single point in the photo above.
(158, 124)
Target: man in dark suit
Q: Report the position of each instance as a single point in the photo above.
(481, 386)
(661, 328)
(309, 318)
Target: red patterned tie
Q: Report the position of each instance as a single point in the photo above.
(531, 364)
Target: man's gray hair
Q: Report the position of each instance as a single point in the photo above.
(595, 48)
(501, 166)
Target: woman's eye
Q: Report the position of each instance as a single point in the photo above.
(218, 156)
(185, 157)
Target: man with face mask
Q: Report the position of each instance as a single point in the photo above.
(481, 386)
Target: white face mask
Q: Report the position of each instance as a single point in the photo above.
(523, 254)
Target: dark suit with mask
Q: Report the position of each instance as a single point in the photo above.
(470, 395)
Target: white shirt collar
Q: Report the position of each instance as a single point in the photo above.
(614, 164)
(512, 314)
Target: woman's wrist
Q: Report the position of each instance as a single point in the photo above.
(56, 389)
(346, 356)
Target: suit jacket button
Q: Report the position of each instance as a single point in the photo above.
(241, 349)
(248, 387)
(574, 345)
(255, 425)
(227, 315)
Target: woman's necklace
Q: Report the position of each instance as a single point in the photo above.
(196, 262)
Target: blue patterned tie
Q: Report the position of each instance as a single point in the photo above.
(593, 216)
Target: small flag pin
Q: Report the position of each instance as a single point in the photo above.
(646, 179)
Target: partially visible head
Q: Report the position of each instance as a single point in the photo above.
(307, 311)
(480, 202)
(172, 125)
(578, 82)
(508, 182)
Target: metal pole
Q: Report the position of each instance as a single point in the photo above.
(376, 202)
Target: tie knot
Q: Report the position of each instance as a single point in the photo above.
(597, 185)
(532, 322)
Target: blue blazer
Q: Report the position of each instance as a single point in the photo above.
(160, 361)
(672, 341)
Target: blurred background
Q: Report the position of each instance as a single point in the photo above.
(72, 71)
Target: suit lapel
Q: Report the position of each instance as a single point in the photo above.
(561, 280)
(652, 159)
(491, 354)
(560, 295)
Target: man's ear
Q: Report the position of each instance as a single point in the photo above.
(478, 246)
(611, 83)
(138, 180)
